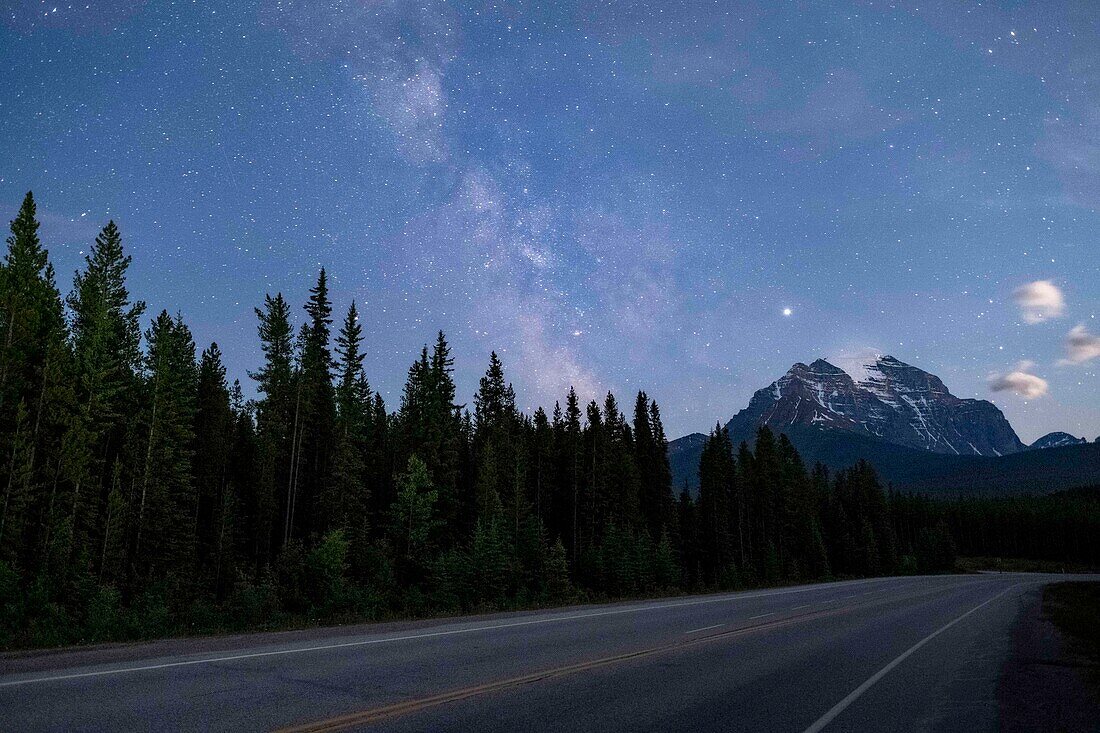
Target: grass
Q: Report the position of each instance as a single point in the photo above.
(1074, 607)
(1019, 565)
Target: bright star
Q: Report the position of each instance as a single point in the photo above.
(787, 311)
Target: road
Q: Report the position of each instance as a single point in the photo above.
(922, 653)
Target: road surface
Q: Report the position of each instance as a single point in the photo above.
(921, 653)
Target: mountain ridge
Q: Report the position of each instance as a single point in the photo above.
(892, 401)
(1056, 440)
(903, 420)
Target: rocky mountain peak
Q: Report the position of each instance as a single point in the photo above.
(885, 398)
(1056, 440)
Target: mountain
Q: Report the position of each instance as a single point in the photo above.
(909, 469)
(906, 423)
(1056, 440)
(891, 400)
(683, 460)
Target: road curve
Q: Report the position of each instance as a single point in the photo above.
(920, 653)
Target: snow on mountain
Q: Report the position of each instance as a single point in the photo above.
(1056, 440)
(888, 399)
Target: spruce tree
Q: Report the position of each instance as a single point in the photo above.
(217, 498)
(106, 337)
(715, 536)
(414, 521)
(165, 513)
(315, 415)
(275, 427)
(347, 501)
(34, 362)
(443, 441)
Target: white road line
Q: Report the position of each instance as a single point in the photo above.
(839, 708)
(762, 615)
(705, 628)
(425, 635)
(804, 605)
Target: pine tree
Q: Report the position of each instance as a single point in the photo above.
(716, 474)
(346, 504)
(496, 453)
(556, 583)
(620, 469)
(217, 499)
(315, 415)
(33, 361)
(687, 516)
(165, 515)
(572, 456)
(666, 567)
(251, 535)
(593, 501)
(414, 523)
(764, 476)
(106, 336)
(275, 427)
(651, 460)
(494, 403)
(29, 309)
(489, 556)
(379, 457)
(540, 462)
(443, 438)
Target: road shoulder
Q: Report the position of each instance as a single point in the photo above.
(1044, 685)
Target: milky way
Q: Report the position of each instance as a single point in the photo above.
(685, 198)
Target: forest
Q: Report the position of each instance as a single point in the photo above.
(146, 493)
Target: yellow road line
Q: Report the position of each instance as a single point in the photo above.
(385, 712)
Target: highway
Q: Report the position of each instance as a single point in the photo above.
(887, 654)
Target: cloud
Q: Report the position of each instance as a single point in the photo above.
(1081, 346)
(1020, 381)
(1039, 301)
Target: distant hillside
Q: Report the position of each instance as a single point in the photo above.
(1032, 472)
(908, 469)
(683, 459)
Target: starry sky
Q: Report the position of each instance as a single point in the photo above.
(680, 197)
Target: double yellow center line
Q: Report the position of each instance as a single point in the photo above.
(386, 712)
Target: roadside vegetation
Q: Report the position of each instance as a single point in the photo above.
(1074, 607)
(144, 495)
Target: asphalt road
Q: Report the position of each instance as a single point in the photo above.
(925, 653)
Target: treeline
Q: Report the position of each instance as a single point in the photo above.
(1059, 528)
(144, 495)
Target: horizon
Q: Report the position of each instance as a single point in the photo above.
(692, 202)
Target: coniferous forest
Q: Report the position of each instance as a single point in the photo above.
(145, 494)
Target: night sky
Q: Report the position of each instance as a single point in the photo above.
(685, 198)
